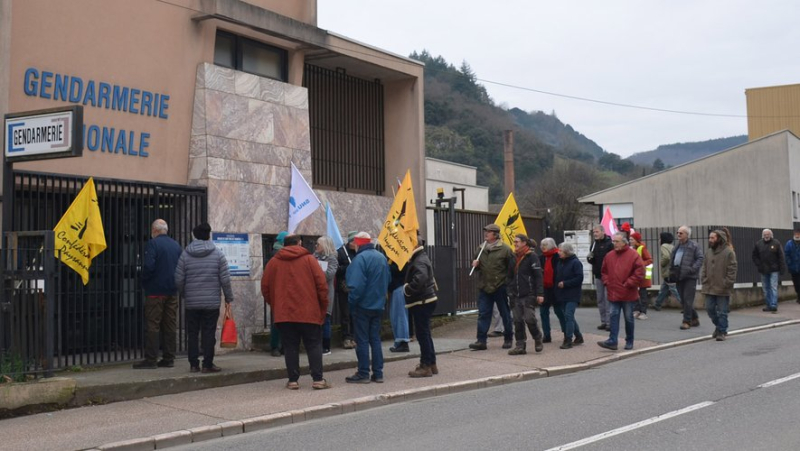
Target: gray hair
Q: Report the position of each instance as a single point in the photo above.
(548, 243)
(623, 236)
(765, 231)
(326, 243)
(160, 226)
(687, 229)
(599, 228)
(567, 248)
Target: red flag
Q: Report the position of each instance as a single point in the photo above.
(608, 223)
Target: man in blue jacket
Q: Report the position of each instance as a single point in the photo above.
(367, 281)
(792, 252)
(161, 301)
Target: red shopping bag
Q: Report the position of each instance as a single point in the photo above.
(229, 337)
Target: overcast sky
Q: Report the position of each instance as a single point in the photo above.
(685, 55)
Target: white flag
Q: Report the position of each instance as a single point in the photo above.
(302, 200)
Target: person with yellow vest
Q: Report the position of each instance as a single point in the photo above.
(640, 311)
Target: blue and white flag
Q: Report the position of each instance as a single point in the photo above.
(302, 200)
(333, 228)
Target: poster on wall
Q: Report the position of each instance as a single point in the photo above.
(236, 248)
(582, 240)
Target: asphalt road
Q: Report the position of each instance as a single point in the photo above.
(705, 396)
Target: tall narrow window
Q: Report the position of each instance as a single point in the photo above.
(247, 55)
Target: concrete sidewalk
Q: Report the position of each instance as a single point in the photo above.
(227, 409)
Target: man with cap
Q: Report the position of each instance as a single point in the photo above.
(367, 281)
(345, 255)
(493, 264)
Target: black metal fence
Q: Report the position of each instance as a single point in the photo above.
(467, 231)
(743, 239)
(103, 321)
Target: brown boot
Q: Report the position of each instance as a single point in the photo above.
(434, 368)
(421, 371)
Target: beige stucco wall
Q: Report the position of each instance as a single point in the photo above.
(747, 186)
(302, 10)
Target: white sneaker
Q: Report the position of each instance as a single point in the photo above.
(636, 314)
(642, 316)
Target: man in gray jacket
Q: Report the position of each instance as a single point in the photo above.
(201, 273)
(686, 260)
(717, 278)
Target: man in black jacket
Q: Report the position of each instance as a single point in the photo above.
(345, 255)
(420, 294)
(526, 293)
(770, 261)
(600, 247)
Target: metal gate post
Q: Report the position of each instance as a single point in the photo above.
(50, 290)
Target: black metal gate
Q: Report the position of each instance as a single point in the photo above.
(457, 289)
(103, 321)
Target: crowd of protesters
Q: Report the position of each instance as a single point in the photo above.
(357, 283)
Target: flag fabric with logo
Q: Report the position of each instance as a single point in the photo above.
(510, 221)
(398, 237)
(333, 228)
(609, 226)
(302, 200)
(79, 233)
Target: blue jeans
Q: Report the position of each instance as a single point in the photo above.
(717, 308)
(769, 283)
(666, 290)
(544, 312)
(485, 303)
(368, 336)
(602, 300)
(569, 320)
(398, 316)
(627, 308)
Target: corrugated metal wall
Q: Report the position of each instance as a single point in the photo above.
(773, 109)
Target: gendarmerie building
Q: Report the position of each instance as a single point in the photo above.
(194, 110)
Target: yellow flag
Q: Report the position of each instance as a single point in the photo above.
(398, 237)
(79, 233)
(510, 221)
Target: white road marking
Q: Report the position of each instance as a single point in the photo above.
(779, 381)
(630, 427)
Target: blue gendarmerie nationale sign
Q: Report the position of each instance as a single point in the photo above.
(43, 134)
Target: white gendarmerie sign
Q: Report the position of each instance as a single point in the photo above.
(43, 134)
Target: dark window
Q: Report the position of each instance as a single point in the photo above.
(250, 56)
(346, 119)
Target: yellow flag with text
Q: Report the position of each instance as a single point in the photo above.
(510, 221)
(79, 233)
(398, 237)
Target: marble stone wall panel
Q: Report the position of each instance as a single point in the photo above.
(247, 85)
(219, 78)
(296, 96)
(216, 168)
(198, 170)
(222, 207)
(197, 146)
(199, 113)
(249, 151)
(302, 159)
(292, 128)
(272, 90)
(247, 207)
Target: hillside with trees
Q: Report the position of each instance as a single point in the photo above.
(553, 163)
(674, 154)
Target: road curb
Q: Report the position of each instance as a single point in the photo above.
(204, 433)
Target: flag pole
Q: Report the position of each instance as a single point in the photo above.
(479, 257)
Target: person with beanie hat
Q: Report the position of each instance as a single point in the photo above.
(201, 274)
(717, 278)
(667, 285)
(792, 251)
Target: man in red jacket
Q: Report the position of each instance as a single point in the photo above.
(623, 272)
(295, 288)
